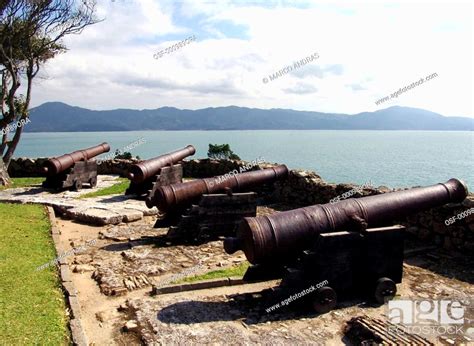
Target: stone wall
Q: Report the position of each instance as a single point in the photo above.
(25, 167)
(306, 188)
(303, 188)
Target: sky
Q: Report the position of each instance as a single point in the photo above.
(365, 51)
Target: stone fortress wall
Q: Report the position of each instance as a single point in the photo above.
(303, 188)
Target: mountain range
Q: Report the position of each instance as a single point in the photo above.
(60, 117)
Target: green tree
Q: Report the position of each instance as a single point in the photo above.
(221, 152)
(31, 32)
(124, 155)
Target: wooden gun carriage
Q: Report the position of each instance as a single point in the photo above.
(208, 208)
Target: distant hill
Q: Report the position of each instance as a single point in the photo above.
(60, 117)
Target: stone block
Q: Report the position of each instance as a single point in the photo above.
(78, 336)
(65, 275)
(96, 216)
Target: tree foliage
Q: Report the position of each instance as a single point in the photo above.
(31, 33)
(126, 155)
(221, 152)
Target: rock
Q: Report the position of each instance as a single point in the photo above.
(448, 341)
(119, 291)
(384, 189)
(468, 202)
(131, 326)
(101, 316)
(122, 307)
(129, 215)
(95, 216)
(83, 268)
(83, 259)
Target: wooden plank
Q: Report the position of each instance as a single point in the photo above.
(216, 215)
(224, 199)
(84, 167)
(142, 188)
(247, 210)
(335, 257)
(365, 330)
(170, 175)
(383, 248)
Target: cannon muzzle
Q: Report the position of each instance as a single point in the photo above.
(169, 196)
(282, 235)
(61, 163)
(146, 169)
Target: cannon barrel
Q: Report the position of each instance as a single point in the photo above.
(283, 235)
(146, 169)
(169, 196)
(61, 163)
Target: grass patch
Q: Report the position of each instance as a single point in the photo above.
(23, 182)
(117, 189)
(238, 270)
(32, 307)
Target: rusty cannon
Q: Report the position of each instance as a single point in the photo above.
(206, 209)
(346, 244)
(167, 198)
(149, 168)
(165, 169)
(73, 169)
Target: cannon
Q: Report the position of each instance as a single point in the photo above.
(280, 235)
(73, 169)
(333, 242)
(206, 209)
(174, 196)
(149, 168)
(61, 163)
(165, 169)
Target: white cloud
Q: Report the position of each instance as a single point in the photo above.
(367, 51)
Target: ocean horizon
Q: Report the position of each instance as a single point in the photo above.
(398, 158)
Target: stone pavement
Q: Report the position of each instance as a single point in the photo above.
(102, 210)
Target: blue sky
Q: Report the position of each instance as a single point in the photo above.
(366, 51)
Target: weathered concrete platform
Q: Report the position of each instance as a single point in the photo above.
(103, 210)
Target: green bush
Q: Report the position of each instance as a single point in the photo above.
(221, 152)
(124, 155)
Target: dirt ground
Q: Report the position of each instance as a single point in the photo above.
(113, 278)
